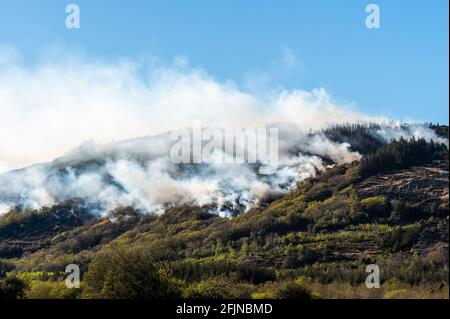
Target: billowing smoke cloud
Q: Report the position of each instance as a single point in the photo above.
(46, 111)
(49, 109)
(139, 173)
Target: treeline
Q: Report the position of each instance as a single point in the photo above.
(196, 270)
(440, 130)
(314, 242)
(136, 274)
(361, 137)
(365, 139)
(402, 154)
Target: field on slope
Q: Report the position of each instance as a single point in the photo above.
(390, 209)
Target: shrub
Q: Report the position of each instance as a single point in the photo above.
(375, 206)
(125, 274)
(12, 287)
(394, 294)
(293, 290)
(51, 290)
(319, 192)
(5, 267)
(401, 238)
(220, 287)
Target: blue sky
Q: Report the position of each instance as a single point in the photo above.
(399, 70)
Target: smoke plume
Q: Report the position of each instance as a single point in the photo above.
(93, 112)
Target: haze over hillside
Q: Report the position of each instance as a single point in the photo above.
(313, 240)
(138, 173)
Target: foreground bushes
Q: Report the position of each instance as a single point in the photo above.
(196, 270)
(125, 274)
(12, 287)
(220, 287)
(328, 230)
(292, 289)
(51, 290)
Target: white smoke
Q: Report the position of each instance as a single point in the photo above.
(139, 173)
(46, 111)
(410, 131)
(49, 109)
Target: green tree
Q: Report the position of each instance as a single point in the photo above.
(125, 274)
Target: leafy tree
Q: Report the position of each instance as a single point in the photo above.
(128, 274)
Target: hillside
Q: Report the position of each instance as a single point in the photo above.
(314, 241)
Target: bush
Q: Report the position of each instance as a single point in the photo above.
(5, 267)
(334, 213)
(375, 206)
(12, 287)
(401, 238)
(319, 192)
(293, 290)
(124, 274)
(220, 287)
(51, 290)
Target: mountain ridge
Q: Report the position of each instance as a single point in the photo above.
(325, 230)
